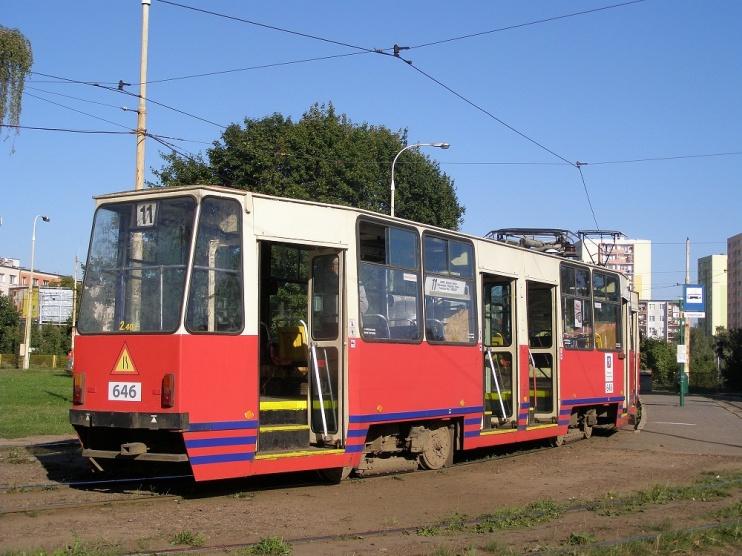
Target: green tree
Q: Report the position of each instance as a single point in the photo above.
(660, 357)
(9, 321)
(50, 339)
(68, 282)
(703, 370)
(729, 349)
(16, 59)
(323, 157)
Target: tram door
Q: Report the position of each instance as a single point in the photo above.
(629, 370)
(500, 350)
(542, 385)
(326, 346)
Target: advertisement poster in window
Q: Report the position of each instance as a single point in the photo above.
(578, 313)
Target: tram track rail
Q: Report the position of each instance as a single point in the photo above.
(149, 482)
(414, 529)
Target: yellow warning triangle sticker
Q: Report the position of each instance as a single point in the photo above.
(125, 364)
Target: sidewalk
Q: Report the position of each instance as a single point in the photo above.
(36, 440)
(702, 426)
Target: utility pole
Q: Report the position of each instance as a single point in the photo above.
(142, 111)
(687, 320)
(684, 376)
(74, 302)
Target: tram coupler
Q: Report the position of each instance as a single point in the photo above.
(134, 449)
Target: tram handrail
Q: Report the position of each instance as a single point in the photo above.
(497, 382)
(315, 368)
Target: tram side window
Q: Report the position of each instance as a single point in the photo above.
(498, 314)
(577, 317)
(607, 304)
(449, 290)
(389, 282)
(215, 299)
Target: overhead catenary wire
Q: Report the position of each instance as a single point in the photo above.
(135, 95)
(273, 27)
(154, 136)
(249, 68)
(587, 194)
(663, 158)
(76, 110)
(484, 111)
(90, 101)
(360, 49)
(525, 24)
(68, 130)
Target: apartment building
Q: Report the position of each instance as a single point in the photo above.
(734, 281)
(633, 257)
(10, 272)
(660, 319)
(712, 275)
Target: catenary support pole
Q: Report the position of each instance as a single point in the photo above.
(142, 111)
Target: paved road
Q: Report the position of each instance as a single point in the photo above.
(703, 426)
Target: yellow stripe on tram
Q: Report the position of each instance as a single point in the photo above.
(327, 404)
(549, 426)
(495, 396)
(299, 454)
(540, 393)
(490, 432)
(509, 395)
(275, 428)
(283, 405)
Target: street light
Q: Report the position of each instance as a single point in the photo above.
(437, 145)
(29, 295)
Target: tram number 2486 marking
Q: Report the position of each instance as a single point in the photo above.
(125, 391)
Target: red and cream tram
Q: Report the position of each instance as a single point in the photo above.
(246, 334)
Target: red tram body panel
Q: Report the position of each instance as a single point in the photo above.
(233, 333)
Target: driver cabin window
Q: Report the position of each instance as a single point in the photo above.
(215, 299)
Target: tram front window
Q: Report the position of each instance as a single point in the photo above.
(136, 269)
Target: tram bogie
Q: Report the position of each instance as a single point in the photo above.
(246, 334)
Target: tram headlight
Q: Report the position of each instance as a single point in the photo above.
(78, 388)
(167, 398)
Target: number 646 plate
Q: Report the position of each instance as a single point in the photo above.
(125, 391)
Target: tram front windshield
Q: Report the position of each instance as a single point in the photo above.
(137, 265)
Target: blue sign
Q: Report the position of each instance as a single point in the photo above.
(693, 304)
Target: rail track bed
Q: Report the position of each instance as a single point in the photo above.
(548, 492)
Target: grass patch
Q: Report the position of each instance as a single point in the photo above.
(735, 510)
(428, 531)
(187, 538)
(77, 548)
(34, 402)
(723, 539)
(580, 539)
(513, 518)
(456, 523)
(271, 546)
(17, 456)
(709, 487)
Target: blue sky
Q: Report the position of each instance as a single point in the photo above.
(658, 78)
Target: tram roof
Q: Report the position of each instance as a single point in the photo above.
(181, 189)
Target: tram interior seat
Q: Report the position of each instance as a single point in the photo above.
(540, 340)
(394, 319)
(375, 326)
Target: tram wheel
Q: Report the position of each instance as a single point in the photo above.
(558, 441)
(438, 449)
(334, 475)
(587, 430)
